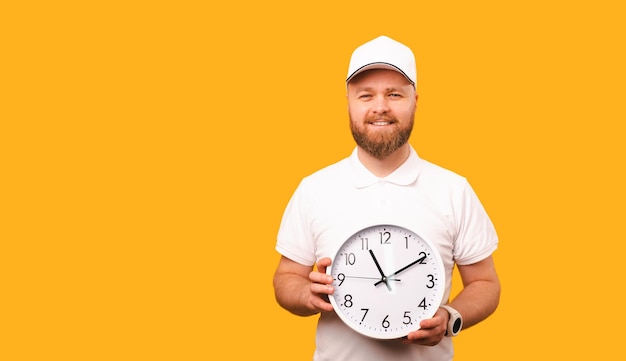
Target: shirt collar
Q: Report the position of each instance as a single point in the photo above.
(406, 174)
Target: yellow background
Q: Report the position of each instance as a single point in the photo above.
(148, 150)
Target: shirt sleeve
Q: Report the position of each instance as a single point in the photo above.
(476, 238)
(294, 239)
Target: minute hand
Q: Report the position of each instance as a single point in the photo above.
(402, 269)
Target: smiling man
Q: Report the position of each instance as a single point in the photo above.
(382, 97)
(381, 106)
(384, 181)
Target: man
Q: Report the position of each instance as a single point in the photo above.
(384, 179)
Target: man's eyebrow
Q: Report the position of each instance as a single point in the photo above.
(387, 90)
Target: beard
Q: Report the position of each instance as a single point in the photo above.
(381, 144)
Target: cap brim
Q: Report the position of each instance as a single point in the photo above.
(373, 66)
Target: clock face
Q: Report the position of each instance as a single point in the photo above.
(386, 279)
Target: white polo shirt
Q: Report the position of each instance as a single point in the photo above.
(335, 202)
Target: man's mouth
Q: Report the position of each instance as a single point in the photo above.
(381, 122)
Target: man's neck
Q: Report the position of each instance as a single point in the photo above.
(384, 167)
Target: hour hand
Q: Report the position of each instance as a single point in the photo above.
(380, 270)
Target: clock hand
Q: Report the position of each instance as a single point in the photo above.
(382, 274)
(400, 270)
(372, 278)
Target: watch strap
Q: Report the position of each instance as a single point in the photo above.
(455, 322)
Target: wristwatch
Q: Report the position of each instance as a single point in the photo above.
(455, 323)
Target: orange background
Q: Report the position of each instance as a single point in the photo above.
(148, 150)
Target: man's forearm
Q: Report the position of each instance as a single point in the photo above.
(477, 301)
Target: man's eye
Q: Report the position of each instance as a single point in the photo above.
(395, 95)
(364, 96)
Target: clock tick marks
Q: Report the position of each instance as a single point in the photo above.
(364, 259)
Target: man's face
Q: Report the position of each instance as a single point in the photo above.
(381, 106)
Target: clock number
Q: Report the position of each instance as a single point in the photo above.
(407, 318)
(406, 242)
(423, 304)
(385, 237)
(364, 243)
(341, 277)
(385, 322)
(423, 256)
(431, 281)
(350, 258)
(347, 301)
(365, 313)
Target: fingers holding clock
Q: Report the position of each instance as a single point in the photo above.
(321, 286)
(320, 301)
(322, 264)
(431, 330)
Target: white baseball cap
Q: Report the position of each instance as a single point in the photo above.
(383, 53)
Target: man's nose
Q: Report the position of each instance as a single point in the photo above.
(381, 105)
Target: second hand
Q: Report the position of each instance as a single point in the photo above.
(372, 278)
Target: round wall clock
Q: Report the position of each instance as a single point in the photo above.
(386, 279)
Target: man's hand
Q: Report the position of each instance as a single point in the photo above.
(431, 331)
(321, 286)
(303, 290)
